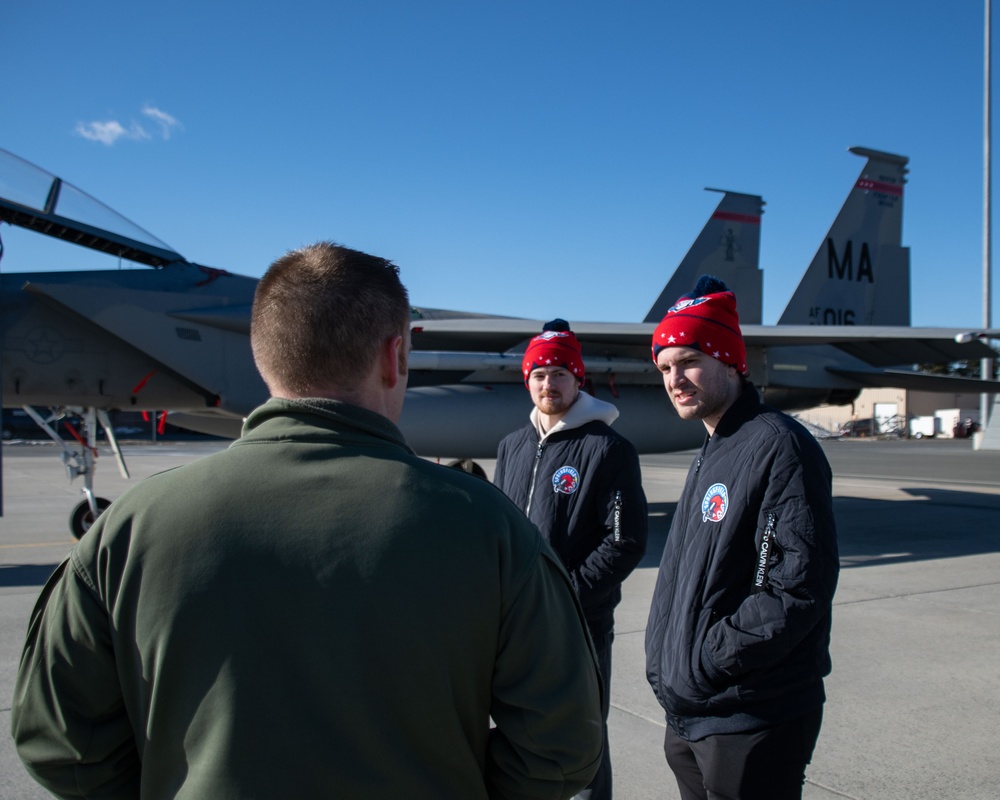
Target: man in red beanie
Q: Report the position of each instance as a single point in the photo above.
(579, 482)
(738, 639)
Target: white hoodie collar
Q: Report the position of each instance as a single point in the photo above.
(587, 408)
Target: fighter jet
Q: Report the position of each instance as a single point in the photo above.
(844, 329)
(175, 337)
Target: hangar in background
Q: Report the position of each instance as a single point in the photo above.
(894, 409)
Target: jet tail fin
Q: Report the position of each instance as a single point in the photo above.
(727, 247)
(861, 272)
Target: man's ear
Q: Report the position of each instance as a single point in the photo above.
(392, 361)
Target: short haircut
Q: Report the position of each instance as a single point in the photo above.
(321, 313)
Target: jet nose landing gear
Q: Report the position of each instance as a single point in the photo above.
(84, 516)
(81, 461)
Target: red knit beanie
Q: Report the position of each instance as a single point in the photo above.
(705, 320)
(555, 346)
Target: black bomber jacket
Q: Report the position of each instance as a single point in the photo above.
(582, 486)
(739, 627)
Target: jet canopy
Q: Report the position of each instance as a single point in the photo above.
(35, 199)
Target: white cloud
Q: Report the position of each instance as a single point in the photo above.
(110, 131)
(166, 121)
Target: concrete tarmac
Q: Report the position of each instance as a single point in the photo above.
(914, 698)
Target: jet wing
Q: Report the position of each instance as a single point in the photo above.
(857, 354)
(198, 337)
(879, 346)
(504, 335)
(916, 381)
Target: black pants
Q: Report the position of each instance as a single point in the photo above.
(603, 636)
(763, 765)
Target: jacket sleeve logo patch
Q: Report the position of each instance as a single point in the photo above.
(565, 480)
(715, 503)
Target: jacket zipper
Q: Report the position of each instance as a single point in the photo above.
(684, 529)
(534, 473)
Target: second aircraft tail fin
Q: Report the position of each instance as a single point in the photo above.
(728, 247)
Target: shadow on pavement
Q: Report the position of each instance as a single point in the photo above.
(25, 574)
(935, 523)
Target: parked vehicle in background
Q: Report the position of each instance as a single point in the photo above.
(925, 427)
(859, 428)
(964, 430)
(18, 425)
(959, 423)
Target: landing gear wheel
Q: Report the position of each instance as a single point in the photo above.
(468, 465)
(82, 517)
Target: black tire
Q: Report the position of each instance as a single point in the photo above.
(82, 517)
(470, 466)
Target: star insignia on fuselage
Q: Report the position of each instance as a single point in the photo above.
(44, 345)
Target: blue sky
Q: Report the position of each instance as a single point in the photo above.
(535, 159)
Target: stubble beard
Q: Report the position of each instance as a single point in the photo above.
(553, 404)
(707, 404)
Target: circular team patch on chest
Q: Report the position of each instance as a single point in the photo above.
(565, 480)
(715, 503)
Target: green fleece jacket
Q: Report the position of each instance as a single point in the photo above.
(314, 612)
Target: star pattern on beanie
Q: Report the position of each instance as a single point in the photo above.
(555, 346)
(705, 320)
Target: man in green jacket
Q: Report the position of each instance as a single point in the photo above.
(315, 611)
